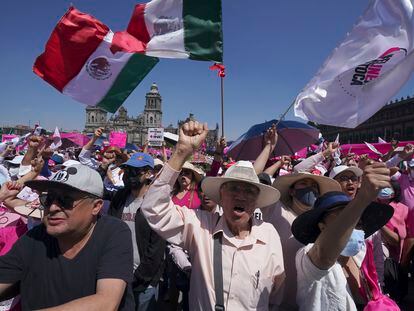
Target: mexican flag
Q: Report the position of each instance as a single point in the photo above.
(180, 29)
(80, 61)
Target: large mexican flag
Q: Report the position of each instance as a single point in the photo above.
(180, 28)
(78, 61)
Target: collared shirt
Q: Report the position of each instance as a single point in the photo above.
(252, 267)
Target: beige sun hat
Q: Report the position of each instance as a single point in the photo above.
(242, 171)
(283, 184)
(198, 172)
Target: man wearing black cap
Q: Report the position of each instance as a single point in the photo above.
(73, 261)
(329, 270)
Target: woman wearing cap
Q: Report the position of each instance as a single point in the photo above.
(333, 266)
(298, 192)
(185, 192)
(348, 178)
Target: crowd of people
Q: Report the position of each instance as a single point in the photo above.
(101, 228)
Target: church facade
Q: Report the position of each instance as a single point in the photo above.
(137, 127)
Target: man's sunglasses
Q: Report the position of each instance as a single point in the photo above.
(64, 201)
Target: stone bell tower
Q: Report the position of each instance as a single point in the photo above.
(153, 111)
(95, 118)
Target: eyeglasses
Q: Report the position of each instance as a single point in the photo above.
(247, 189)
(64, 201)
(346, 178)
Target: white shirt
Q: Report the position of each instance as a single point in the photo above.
(318, 289)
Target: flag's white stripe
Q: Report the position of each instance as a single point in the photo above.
(87, 88)
(165, 26)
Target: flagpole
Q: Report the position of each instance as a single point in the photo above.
(222, 106)
(282, 116)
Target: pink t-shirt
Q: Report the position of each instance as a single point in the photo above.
(398, 224)
(190, 200)
(407, 190)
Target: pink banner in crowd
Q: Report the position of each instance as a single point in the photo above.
(77, 138)
(7, 137)
(118, 139)
(359, 149)
(363, 149)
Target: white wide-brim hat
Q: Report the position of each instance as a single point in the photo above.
(285, 182)
(242, 171)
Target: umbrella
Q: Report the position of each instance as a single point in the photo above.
(292, 137)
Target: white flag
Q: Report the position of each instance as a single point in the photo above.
(381, 141)
(366, 70)
(373, 149)
(337, 153)
(57, 141)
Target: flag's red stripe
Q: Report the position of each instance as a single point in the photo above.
(74, 39)
(137, 26)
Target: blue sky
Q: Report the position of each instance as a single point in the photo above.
(271, 50)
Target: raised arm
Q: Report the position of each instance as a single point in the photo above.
(270, 140)
(332, 240)
(157, 207)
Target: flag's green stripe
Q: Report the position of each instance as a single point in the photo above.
(203, 37)
(134, 71)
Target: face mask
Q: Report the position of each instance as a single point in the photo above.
(306, 195)
(355, 243)
(132, 182)
(386, 193)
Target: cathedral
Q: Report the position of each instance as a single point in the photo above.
(137, 128)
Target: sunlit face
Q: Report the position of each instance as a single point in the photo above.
(238, 200)
(349, 183)
(69, 214)
(185, 178)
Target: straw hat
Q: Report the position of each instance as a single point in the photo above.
(198, 172)
(241, 171)
(284, 183)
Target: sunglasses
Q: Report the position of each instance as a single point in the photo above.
(64, 201)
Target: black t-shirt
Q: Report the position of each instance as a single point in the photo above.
(48, 279)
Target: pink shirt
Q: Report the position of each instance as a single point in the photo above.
(398, 224)
(242, 259)
(407, 190)
(190, 199)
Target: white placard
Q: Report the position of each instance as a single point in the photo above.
(155, 136)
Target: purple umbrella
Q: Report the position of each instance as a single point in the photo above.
(292, 137)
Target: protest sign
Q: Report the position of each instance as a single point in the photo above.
(118, 139)
(155, 136)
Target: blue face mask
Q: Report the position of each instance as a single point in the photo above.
(355, 243)
(306, 195)
(386, 193)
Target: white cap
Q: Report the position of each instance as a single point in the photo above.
(342, 168)
(76, 177)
